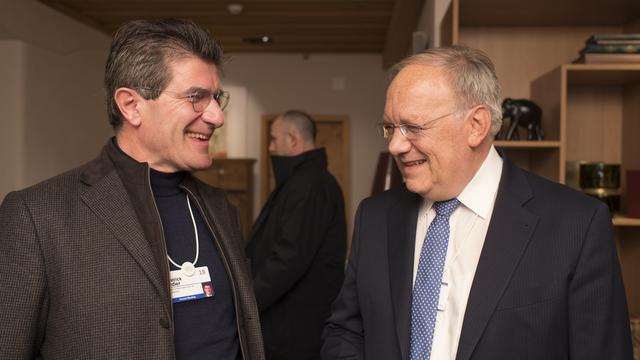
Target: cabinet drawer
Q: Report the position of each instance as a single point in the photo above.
(228, 174)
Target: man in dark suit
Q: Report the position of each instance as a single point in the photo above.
(474, 258)
(298, 243)
(107, 261)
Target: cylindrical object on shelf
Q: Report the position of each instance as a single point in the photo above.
(599, 175)
(611, 197)
(633, 193)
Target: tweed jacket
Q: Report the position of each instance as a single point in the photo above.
(82, 279)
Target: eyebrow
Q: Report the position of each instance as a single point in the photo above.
(197, 89)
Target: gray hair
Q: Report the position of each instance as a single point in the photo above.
(141, 52)
(471, 74)
(303, 122)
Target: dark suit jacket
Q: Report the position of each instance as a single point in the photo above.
(547, 285)
(297, 252)
(79, 278)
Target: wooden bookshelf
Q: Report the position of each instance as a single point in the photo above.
(591, 112)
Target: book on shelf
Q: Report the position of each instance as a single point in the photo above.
(609, 58)
(613, 38)
(613, 48)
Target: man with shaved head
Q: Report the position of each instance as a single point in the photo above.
(297, 244)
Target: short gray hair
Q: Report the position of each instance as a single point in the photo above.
(140, 54)
(471, 74)
(303, 122)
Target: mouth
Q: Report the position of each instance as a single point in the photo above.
(198, 136)
(413, 163)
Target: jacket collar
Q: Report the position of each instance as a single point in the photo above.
(285, 166)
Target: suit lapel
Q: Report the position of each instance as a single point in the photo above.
(108, 199)
(509, 233)
(402, 218)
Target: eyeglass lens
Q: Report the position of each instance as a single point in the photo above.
(201, 101)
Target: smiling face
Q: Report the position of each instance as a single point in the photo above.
(167, 132)
(439, 162)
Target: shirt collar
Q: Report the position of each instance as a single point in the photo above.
(480, 192)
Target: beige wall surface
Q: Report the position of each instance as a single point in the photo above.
(66, 122)
(332, 84)
(11, 96)
(53, 75)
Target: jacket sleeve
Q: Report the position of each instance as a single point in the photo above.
(343, 336)
(302, 229)
(598, 315)
(23, 296)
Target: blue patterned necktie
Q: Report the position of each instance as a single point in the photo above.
(426, 289)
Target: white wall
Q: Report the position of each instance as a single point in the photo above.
(65, 113)
(277, 82)
(51, 69)
(11, 103)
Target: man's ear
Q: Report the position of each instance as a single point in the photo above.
(128, 101)
(294, 138)
(479, 122)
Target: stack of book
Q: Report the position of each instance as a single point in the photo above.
(611, 49)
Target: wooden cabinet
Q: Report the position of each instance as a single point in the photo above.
(590, 111)
(235, 176)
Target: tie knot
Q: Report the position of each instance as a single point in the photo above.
(446, 208)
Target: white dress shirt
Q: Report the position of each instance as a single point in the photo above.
(468, 228)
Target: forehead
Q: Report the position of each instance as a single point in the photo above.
(192, 72)
(417, 91)
(277, 125)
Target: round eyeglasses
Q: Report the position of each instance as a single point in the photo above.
(200, 98)
(409, 131)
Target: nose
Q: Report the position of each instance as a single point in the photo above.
(398, 144)
(213, 115)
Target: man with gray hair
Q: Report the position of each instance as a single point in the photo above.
(110, 260)
(297, 247)
(474, 258)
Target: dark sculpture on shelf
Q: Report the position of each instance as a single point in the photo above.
(523, 113)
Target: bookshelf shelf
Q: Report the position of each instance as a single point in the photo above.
(602, 74)
(621, 220)
(528, 144)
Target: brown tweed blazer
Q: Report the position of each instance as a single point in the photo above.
(78, 277)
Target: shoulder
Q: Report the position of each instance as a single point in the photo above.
(212, 195)
(550, 198)
(396, 196)
(59, 187)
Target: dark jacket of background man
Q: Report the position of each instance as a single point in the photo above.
(297, 251)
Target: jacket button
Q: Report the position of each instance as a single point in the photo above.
(164, 323)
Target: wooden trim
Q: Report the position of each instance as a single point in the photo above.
(404, 20)
(89, 21)
(525, 144)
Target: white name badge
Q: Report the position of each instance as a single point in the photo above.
(197, 286)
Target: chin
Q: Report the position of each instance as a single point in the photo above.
(200, 164)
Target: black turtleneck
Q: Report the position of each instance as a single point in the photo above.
(204, 328)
